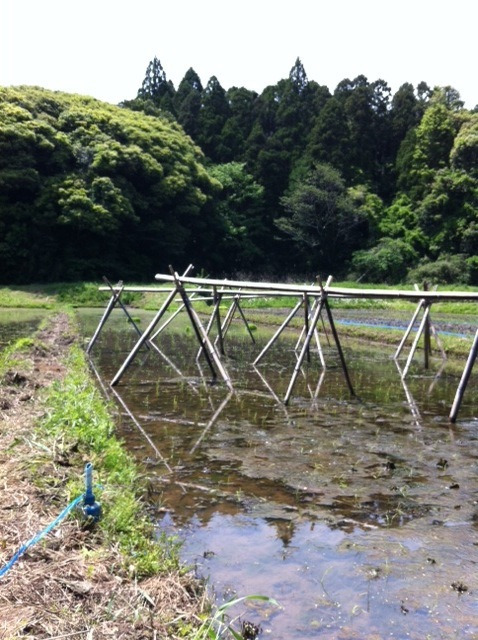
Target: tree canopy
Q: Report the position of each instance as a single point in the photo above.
(357, 181)
(88, 187)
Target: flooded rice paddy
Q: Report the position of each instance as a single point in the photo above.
(17, 323)
(358, 515)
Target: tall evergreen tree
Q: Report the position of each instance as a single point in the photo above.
(187, 102)
(156, 87)
(214, 113)
(404, 114)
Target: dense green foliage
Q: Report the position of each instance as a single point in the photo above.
(406, 163)
(296, 179)
(88, 188)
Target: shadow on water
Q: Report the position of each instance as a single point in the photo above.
(359, 516)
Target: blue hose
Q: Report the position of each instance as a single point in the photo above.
(91, 509)
(37, 537)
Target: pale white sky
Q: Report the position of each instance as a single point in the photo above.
(102, 47)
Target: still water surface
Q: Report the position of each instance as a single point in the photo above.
(16, 323)
(359, 516)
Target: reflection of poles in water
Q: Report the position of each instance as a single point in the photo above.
(273, 394)
(206, 384)
(98, 377)
(123, 404)
(142, 431)
(464, 379)
(317, 390)
(174, 367)
(437, 376)
(213, 420)
(313, 393)
(410, 400)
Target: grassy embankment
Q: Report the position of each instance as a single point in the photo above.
(117, 578)
(109, 578)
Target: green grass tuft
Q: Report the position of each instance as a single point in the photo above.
(79, 417)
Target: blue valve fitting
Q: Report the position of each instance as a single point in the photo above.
(91, 508)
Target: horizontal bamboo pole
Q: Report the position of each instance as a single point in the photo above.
(294, 289)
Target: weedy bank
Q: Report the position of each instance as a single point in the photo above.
(114, 579)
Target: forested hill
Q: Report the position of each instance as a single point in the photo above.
(88, 188)
(296, 180)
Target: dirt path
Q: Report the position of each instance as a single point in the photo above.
(70, 584)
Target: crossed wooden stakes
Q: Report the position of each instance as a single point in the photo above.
(207, 347)
(426, 329)
(115, 299)
(312, 314)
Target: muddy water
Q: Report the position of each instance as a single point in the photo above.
(359, 516)
(16, 323)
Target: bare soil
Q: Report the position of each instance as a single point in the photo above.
(70, 584)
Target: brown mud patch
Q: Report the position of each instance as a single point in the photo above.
(69, 584)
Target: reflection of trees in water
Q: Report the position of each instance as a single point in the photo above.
(285, 529)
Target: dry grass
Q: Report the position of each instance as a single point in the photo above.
(70, 585)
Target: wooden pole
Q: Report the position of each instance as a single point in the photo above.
(218, 299)
(197, 326)
(306, 321)
(170, 319)
(426, 341)
(226, 323)
(427, 349)
(316, 333)
(245, 321)
(174, 367)
(417, 338)
(208, 326)
(143, 338)
(310, 310)
(408, 330)
(328, 283)
(278, 332)
(209, 350)
(109, 308)
(147, 333)
(339, 347)
(464, 379)
(137, 329)
(303, 352)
